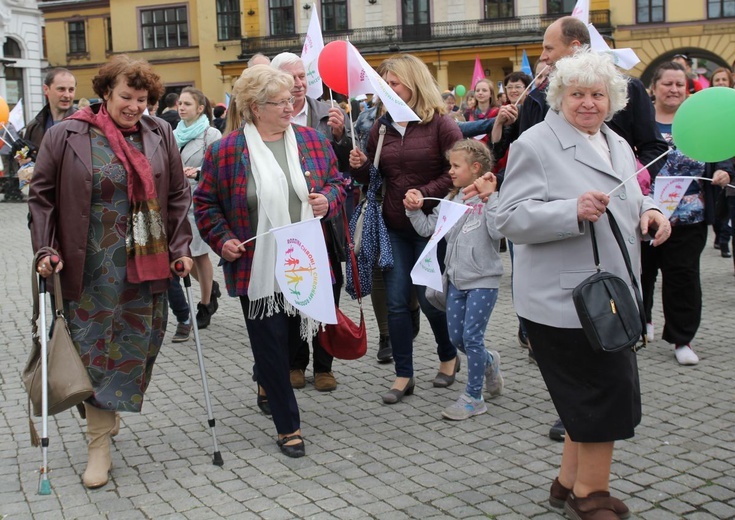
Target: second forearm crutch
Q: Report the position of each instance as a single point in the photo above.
(217, 456)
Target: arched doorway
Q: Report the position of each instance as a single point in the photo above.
(704, 62)
(13, 76)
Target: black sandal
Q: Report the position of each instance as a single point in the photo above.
(294, 450)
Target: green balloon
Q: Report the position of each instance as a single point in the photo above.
(460, 90)
(704, 125)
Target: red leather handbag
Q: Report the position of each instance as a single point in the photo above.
(346, 340)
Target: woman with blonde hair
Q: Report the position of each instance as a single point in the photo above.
(413, 156)
(267, 174)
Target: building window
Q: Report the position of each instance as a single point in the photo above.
(650, 11)
(282, 17)
(77, 37)
(560, 6)
(720, 8)
(164, 28)
(108, 27)
(498, 9)
(334, 15)
(228, 20)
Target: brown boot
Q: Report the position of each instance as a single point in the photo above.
(99, 425)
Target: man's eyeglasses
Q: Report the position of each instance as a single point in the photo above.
(282, 103)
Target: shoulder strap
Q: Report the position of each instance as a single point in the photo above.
(624, 250)
(381, 132)
(353, 260)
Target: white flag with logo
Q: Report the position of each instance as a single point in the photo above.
(313, 45)
(302, 269)
(582, 11)
(668, 191)
(16, 117)
(426, 271)
(362, 79)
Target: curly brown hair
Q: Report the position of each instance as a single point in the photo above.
(138, 73)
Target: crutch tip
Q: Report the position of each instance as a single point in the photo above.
(217, 459)
(44, 487)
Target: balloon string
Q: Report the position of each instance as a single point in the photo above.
(531, 84)
(639, 171)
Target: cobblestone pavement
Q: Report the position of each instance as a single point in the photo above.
(365, 459)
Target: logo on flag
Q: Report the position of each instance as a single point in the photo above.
(668, 191)
(313, 45)
(302, 269)
(426, 270)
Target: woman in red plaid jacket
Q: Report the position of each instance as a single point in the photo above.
(267, 174)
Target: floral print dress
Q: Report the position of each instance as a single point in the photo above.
(117, 326)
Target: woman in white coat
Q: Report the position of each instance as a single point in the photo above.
(557, 179)
(194, 134)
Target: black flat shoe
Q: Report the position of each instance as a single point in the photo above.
(262, 402)
(442, 380)
(394, 395)
(216, 293)
(294, 450)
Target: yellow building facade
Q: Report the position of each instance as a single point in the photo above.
(206, 43)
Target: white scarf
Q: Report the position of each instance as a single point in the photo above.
(272, 192)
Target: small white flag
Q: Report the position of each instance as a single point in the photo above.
(624, 58)
(313, 45)
(668, 191)
(362, 79)
(426, 271)
(302, 269)
(582, 11)
(16, 117)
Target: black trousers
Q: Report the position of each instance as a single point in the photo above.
(269, 340)
(681, 289)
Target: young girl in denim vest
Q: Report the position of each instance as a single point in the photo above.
(473, 269)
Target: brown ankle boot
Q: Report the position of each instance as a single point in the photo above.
(99, 425)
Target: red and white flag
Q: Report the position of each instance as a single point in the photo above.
(302, 269)
(313, 45)
(362, 79)
(426, 271)
(582, 11)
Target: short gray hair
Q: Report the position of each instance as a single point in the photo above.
(285, 58)
(585, 68)
(257, 85)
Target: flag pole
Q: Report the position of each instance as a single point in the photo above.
(531, 84)
(352, 122)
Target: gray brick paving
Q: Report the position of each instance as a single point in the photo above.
(366, 460)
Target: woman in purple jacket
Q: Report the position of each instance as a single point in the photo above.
(413, 156)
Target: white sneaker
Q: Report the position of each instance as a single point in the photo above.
(649, 332)
(464, 408)
(685, 355)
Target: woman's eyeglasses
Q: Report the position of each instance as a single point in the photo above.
(282, 103)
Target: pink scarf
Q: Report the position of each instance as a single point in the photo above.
(145, 237)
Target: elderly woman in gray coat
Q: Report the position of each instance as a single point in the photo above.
(559, 177)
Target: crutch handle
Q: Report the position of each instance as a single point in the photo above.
(179, 266)
(54, 261)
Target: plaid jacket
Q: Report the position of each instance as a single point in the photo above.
(220, 199)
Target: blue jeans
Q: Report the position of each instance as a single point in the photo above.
(467, 315)
(177, 300)
(407, 246)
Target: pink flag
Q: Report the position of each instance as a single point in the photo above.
(478, 74)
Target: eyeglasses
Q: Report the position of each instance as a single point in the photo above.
(282, 103)
(682, 56)
(514, 87)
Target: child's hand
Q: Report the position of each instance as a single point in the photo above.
(413, 200)
(484, 187)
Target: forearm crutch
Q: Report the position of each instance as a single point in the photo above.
(217, 456)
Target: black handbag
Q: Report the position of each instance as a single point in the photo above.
(611, 319)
